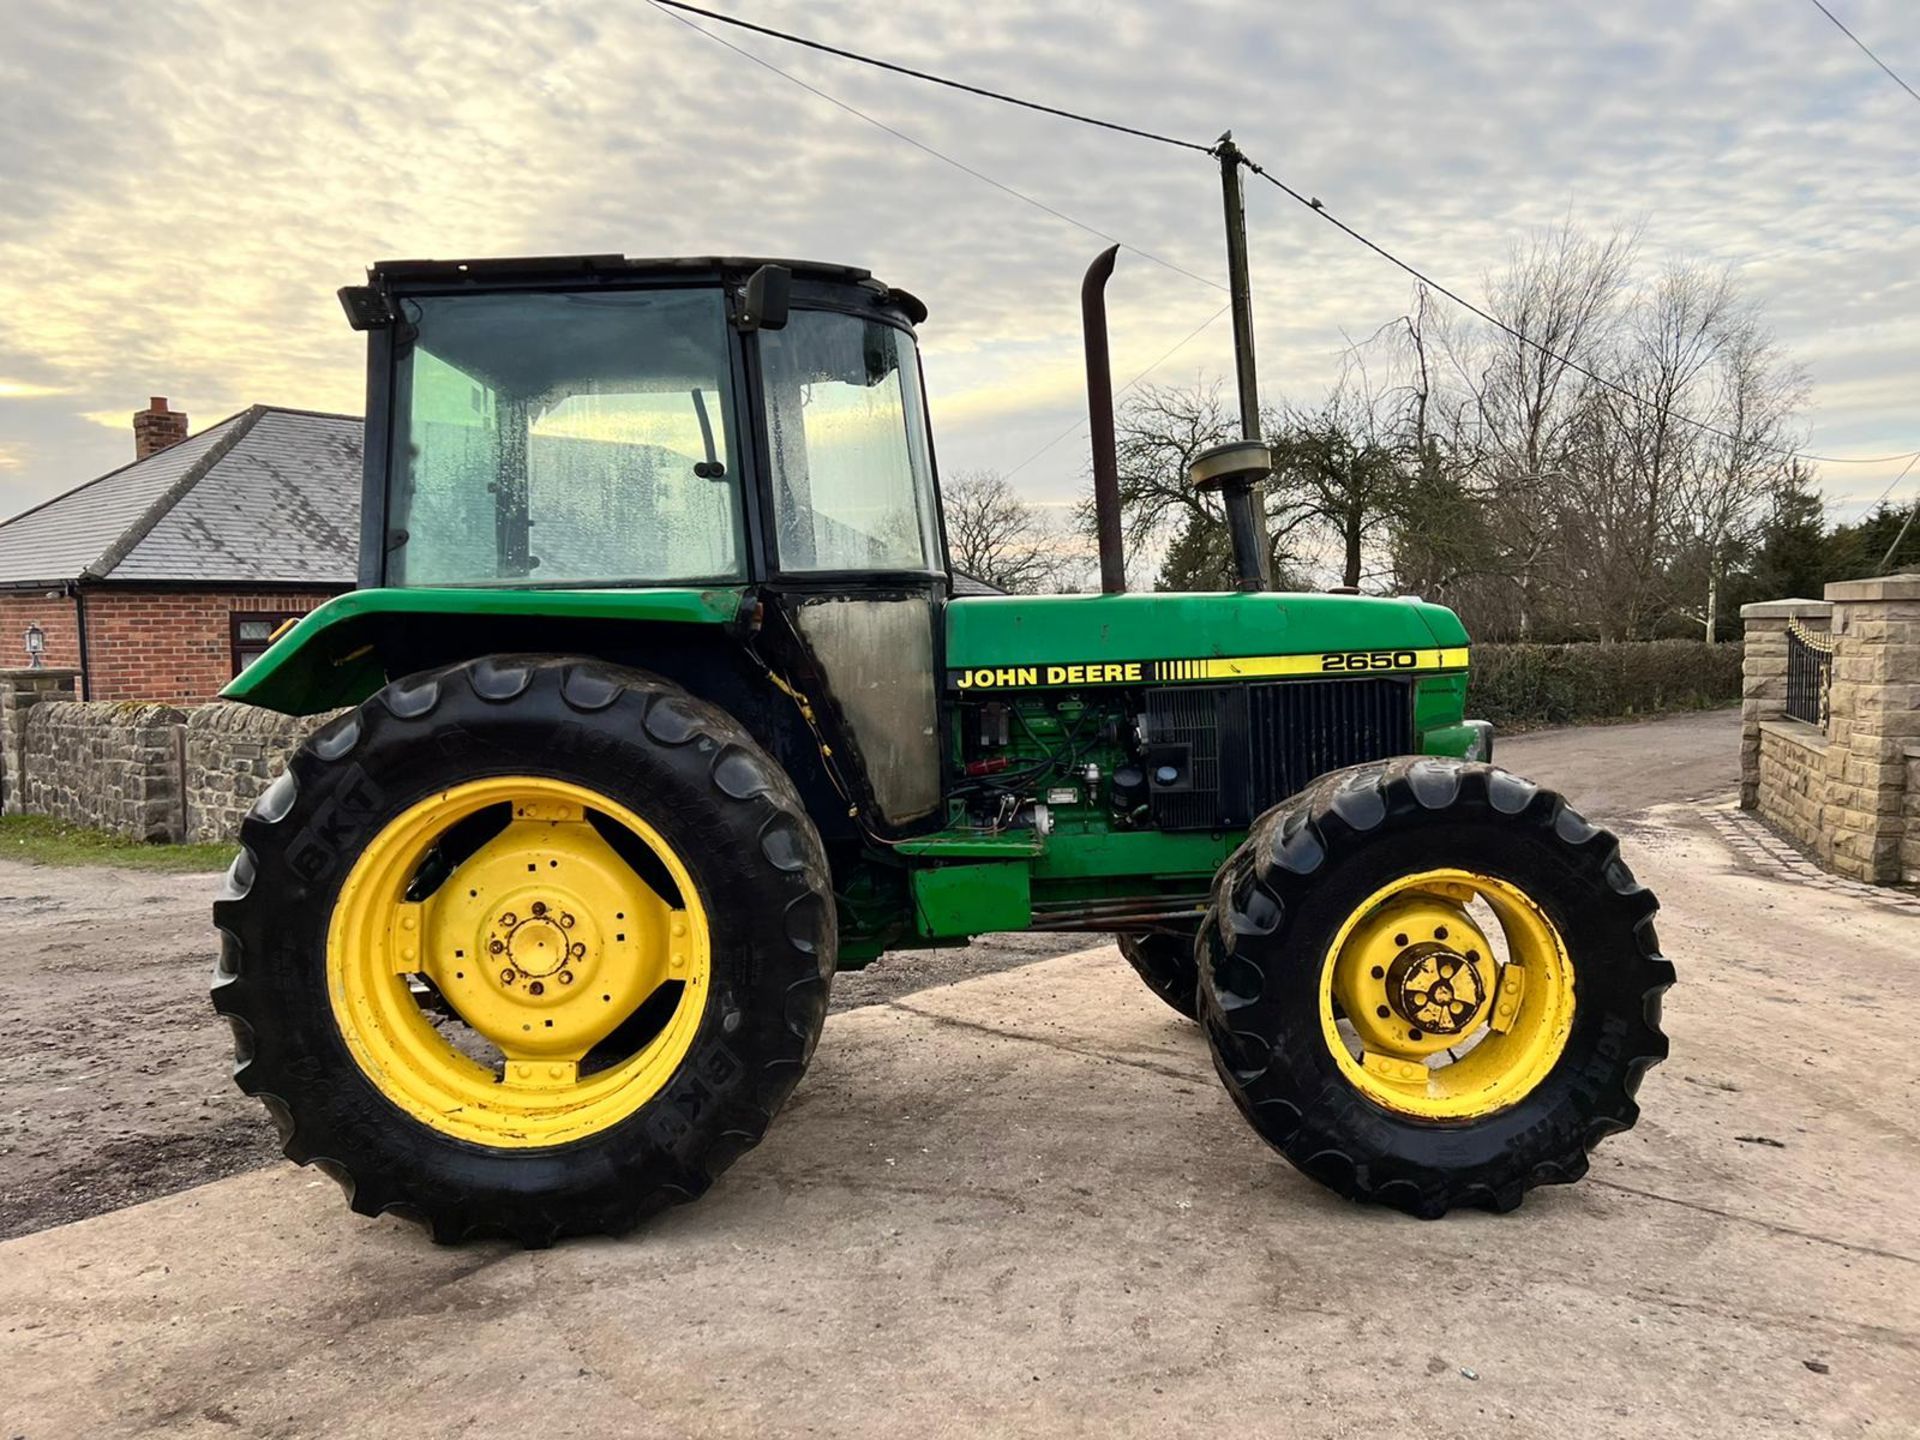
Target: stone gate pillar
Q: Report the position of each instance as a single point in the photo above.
(1875, 702)
(20, 691)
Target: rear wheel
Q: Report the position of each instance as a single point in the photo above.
(526, 946)
(1167, 964)
(1430, 983)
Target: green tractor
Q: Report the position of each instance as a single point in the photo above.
(663, 707)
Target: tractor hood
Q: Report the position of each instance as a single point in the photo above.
(1021, 642)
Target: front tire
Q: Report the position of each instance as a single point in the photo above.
(402, 828)
(1360, 890)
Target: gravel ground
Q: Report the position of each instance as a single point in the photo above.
(113, 1069)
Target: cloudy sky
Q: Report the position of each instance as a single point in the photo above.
(184, 185)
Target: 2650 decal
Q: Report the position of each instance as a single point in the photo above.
(1349, 660)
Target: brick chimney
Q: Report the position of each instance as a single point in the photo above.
(156, 427)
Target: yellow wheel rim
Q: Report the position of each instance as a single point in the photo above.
(1423, 1013)
(543, 940)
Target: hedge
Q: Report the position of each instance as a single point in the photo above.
(1522, 687)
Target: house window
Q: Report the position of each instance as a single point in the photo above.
(253, 632)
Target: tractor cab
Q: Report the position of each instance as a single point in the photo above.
(614, 422)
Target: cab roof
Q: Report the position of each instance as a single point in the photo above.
(534, 270)
(623, 267)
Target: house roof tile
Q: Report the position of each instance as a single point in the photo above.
(266, 496)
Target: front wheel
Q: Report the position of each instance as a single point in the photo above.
(526, 946)
(1430, 983)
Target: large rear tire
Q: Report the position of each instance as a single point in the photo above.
(526, 946)
(1429, 983)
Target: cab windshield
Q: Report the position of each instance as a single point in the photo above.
(847, 435)
(565, 439)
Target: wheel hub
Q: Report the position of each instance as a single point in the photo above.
(1436, 989)
(537, 945)
(544, 939)
(1414, 976)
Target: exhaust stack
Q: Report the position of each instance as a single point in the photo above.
(1234, 468)
(1106, 463)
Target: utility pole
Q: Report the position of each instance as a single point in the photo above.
(1886, 560)
(1240, 287)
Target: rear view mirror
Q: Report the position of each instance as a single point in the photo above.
(765, 304)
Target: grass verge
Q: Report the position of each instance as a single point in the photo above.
(45, 841)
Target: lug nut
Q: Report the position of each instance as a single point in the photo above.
(495, 946)
(539, 907)
(536, 988)
(577, 950)
(566, 977)
(566, 921)
(506, 977)
(509, 919)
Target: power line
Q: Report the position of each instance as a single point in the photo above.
(670, 7)
(1864, 50)
(921, 145)
(1079, 424)
(1889, 490)
(1318, 208)
(931, 79)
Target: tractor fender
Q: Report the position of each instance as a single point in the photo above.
(347, 649)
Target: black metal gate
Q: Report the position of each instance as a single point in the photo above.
(1809, 674)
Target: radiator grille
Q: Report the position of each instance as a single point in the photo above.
(1241, 749)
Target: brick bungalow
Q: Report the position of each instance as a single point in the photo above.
(159, 580)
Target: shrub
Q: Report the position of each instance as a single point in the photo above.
(1522, 687)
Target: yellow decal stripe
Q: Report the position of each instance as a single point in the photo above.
(1236, 667)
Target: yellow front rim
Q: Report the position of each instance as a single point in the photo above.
(1427, 1015)
(543, 940)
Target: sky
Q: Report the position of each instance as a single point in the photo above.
(183, 186)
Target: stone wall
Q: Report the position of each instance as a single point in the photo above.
(1848, 790)
(233, 753)
(1792, 771)
(148, 771)
(111, 766)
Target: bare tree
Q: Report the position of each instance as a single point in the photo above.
(1725, 501)
(1439, 542)
(1559, 300)
(1636, 449)
(996, 536)
(1345, 462)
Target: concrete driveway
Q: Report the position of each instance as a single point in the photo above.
(1020, 1203)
